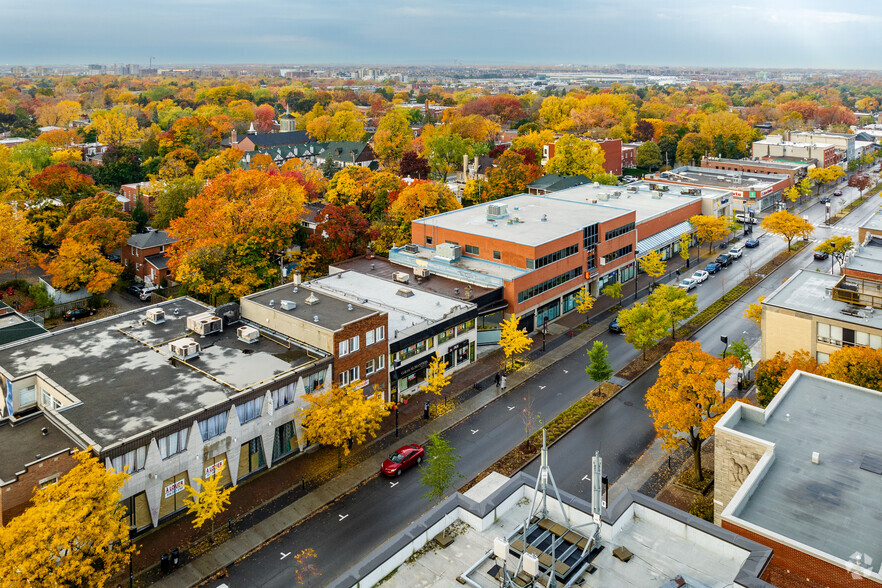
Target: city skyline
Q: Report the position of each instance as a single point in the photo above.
(774, 35)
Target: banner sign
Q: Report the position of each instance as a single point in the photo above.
(214, 468)
(174, 488)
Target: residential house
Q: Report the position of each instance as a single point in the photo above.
(147, 253)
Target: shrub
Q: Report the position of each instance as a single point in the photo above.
(703, 508)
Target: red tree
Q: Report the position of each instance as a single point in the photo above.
(341, 233)
(264, 117)
(414, 166)
(64, 183)
(859, 181)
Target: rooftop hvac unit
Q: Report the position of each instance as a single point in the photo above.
(411, 248)
(664, 188)
(616, 194)
(247, 334)
(603, 197)
(402, 277)
(288, 305)
(657, 195)
(633, 188)
(156, 316)
(185, 348)
(448, 251)
(497, 211)
(421, 272)
(205, 324)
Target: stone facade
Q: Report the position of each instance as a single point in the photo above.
(734, 458)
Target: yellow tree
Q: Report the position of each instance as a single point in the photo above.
(754, 312)
(685, 243)
(643, 326)
(342, 415)
(584, 302)
(677, 304)
(81, 264)
(613, 290)
(787, 225)
(63, 156)
(684, 401)
(436, 379)
(15, 234)
(825, 175)
(837, 247)
(574, 156)
(652, 265)
(512, 339)
(114, 127)
(226, 161)
(207, 502)
(73, 534)
(709, 229)
(792, 193)
(392, 138)
(420, 199)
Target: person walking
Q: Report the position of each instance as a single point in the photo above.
(426, 411)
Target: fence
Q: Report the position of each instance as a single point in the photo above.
(39, 314)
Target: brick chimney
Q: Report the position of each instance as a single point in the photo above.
(234, 141)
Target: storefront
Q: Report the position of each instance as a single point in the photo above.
(547, 312)
(251, 458)
(137, 512)
(284, 441)
(459, 354)
(174, 491)
(410, 375)
(218, 466)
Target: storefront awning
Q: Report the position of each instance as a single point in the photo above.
(662, 238)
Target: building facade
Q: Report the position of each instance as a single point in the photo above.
(146, 253)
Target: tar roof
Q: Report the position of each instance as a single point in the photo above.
(150, 239)
(719, 178)
(24, 443)
(15, 327)
(122, 373)
(832, 506)
(562, 218)
(808, 292)
(646, 203)
(333, 312)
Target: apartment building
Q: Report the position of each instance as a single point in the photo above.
(775, 147)
(842, 142)
(750, 192)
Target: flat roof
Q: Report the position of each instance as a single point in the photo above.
(563, 217)
(809, 292)
(416, 308)
(125, 379)
(332, 311)
(465, 266)
(15, 327)
(833, 506)
(868, 257)
(24, 443)
(647, 204)
(780, 165)
(874, 222)
(721, 178)
(795, 143)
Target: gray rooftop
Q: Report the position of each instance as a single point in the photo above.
(121, 371)
(720, 178)
(332, 311)
(776, 164)
(150, 239)
(563, 217)
(646, 203)
(867, 257)
(15, 327)
(24, 443)
(874, 223)
(809, 292)
(832, 506)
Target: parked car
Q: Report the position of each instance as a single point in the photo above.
(825, 199)
(713, 267)
(837, 193)
(687, 284)
(614, 325)
(77, 313)
(404, 457)
(724, 259)
(113, 257)
(145, 292)
(736, 251)
(135, 289)
(700, 276)
(746, 219)
(821, 255)
(751, 243)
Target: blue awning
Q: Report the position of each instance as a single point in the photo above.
(662, 238)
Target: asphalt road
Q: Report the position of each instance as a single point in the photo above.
(348, 529)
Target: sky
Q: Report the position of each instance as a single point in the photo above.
(747, 33)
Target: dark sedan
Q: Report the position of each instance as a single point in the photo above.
(724, 260)
(77, 313)
(821, 255)
(404, 458)
(712, 268)
(751, 243)
(614, 325)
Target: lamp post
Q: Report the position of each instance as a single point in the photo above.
(725, 340)
(396, 419)
(544, 332)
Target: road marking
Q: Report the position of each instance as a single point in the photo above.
(511, 408)
(474, 431)
(342, 517)
(566, 371)
(542, 387)
(391, 485)
(284, 555)
(586, 477)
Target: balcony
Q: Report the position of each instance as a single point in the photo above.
(858, 292)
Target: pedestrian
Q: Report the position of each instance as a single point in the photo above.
(497, 379)
(502, 383)
(426, 411)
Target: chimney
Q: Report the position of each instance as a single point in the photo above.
(465, 164)
(476, 165)
(234, 141)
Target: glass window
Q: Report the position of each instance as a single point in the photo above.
(861, 338)
(173, 444)
(369, 338)
(250, 410)
(428, 240)
(823, 331)
(48, 401)
(876, 341)
(446, 335)
(497, 255)
(836, 334)
(213, 426)
(27, 396)
(466, 326)
(471, 249)
(369, 367)
(130, 462)
(283, 396)
(284, 440)
(823, 357)
(314, 382)
(344, 348)
(381, 333)
(353, 344)
(381, 362)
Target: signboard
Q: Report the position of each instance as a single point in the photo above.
(766, 192)
(174, 488)
(723, 201)
(753, 194)
(214, 468)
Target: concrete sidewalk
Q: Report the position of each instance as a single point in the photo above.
(240, 545)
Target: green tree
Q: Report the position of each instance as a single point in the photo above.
(574, 156)
(439, 473)
(172, 198)
(649, 156)
(599, 369)
(329, 168)
(139, 215)
(613, 290)
(643, 325)
(446, 151)
(677, 304)
(740, 350)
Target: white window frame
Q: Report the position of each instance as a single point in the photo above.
(369, 338)
(369, 367)
(381, 333)
(344, 348)
(181, 438)
(343, 377)
(354, 344)
(381, 362)
(22, 401)
(48, 481)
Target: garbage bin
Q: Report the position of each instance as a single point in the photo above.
(164, 563)
(175, 557)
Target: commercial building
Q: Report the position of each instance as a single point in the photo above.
(750, 192)
(820, 313)
(843, 142)
(775, 147)
(170, 393)
(802, 476)
(795, 170)
(865, 261)
(872, 226)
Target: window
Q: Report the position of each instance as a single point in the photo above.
(173, 444)
(466, 326)
(415, 349)
(823, 357)
(213, 426)
(472, 250)
(829, 334)
(48, 401)
(618, 253)
(369, 338)
(497, 255)
(619, 231)
(344, 348)
(283, 396)
(549, 284)
(590, 236)
(130, 462)
(354, 374)
(369, 368)
(446, 335)
(381, 333)
(552, 257)
(353, 344)
(314, 382)
(27, 396)
(284, 440)
(349, 376)
(48, 481)
(250, 410)
(428, 240)
(381, 362)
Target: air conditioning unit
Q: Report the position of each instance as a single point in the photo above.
(633, 188)
(156, 316)
(185, 348)
(497, 211)
(448, 252)
(664, 188)
(205, 324)
(247, 334)
(411, 248)
(421, 272)
(402, 277)
(288, 305)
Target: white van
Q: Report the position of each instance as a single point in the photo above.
(745, 219)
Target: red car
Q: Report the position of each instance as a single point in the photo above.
(402, 459)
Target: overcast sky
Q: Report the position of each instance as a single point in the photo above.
(750, 33)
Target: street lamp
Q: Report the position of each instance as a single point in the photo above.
(544, 332)
(395, 409)
(725, 340)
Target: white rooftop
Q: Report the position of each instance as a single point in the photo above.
(648, 204)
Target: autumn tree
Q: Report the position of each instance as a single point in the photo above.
(341, 416)
(652, 265)
(613, 290)
(643, 326)
(861, 366)
(312, 179)
(511, 339)
(413, 166)
(341, 233)
(709, 229)
(684, 401)
(226, 161)
(754, 312)
(171, 199)
(649, 156)
(787, 225)
(728, 134)
(574, 156)
(584, 302)
(599, 368)
(81, 264)
(392, 138)
(534, 141)
(114, 127)
(208, 501)
(15, 234)
(772, 373)
(60, 114)
(510, 175)
(825, 175)
(691, 148)
(436, 378)
(837, 247)
(351, 185)
(861, 182)
(63, 183)
(420, 199)
(676, 304)
(439, 473)
(73, 534)
(685, 243)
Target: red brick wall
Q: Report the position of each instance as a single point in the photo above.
(863, 275)
(612, 152)
(753, 167)
(138, 257)
(16, 497)
(800, 566)
(652, 226)
(365, 352)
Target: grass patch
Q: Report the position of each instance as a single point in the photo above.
(874, 190)
(703, 508)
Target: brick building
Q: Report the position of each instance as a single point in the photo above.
(775, 147)
(613, 154)
(750, 192)
(795, 170)
(129, 194)
(802, 476)
(146, 252)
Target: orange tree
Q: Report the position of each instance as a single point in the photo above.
(861, 366)
(15, 234)
(773, 372)
(420, 199)
(787, 225)
(510, 175)
(684, 401)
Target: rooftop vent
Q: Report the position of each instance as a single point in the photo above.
(544, 218)
(185, 348)
(156, 316)
(205, 324)
(311, 300)
(315, 318)
(497, 211)
(247, 334)
(404, 292)
(296, 289)
(816, 457)
(632, 189)
(596, 184)
(616, 194)
(44, 431)
(348, 307)
(288, 304)
(402, 277)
